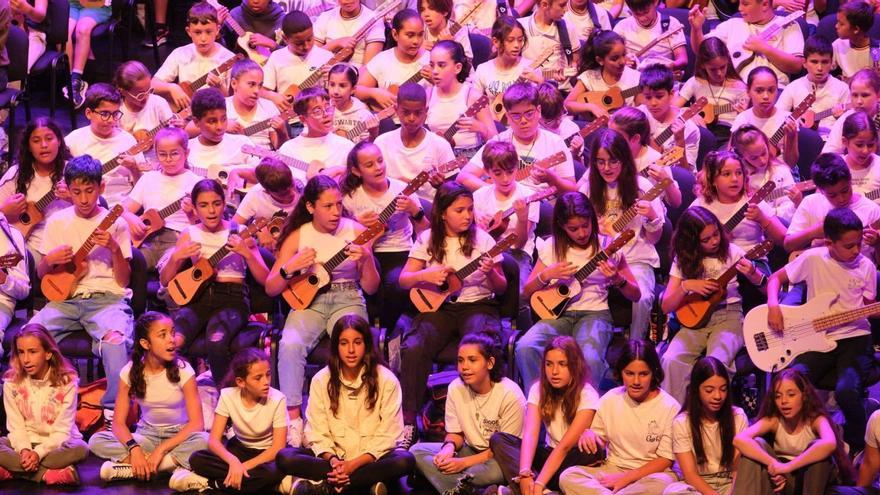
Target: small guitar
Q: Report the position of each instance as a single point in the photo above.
(667, 159)
(33, 214)
(688, 114)
(710, 113)
(7, 261)
(155, 221)
(59, 283)
(264, 124)
(362, 126)
(501, 220)
(695, 310)
(378, 15)
(191, 87)
(806, 330)
(428, 298)
(805, 186)
(186, 285)
(610, 99)
(497, 107)
(645, 49)
(588, 129)
(742, 57)
(259, 54)
(549, 303)
(455, 26)
(798, 111)
(310, 169)
(114, 162)
(811, 119)
(146, 136)
(471, 112)
(756, 198)
(523, 172)
(623, 221)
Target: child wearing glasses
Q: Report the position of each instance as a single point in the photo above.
(104, 140)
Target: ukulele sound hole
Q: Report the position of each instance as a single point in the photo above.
(197, 274)
(223, 175)
(313, 279)
(606, 100)
(443, 287)
(499, 108)
(24, 218)
(147, 222)
(563, 290)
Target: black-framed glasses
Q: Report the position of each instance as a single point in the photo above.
(107, 115)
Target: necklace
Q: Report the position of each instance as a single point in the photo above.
(481, 407)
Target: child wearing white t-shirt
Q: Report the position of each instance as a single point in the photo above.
(483, 20)
(603, 67)
(275, 194)
(587, 16)
(859, 135)
(333, 30)
(754, 148)
(437, 16)
(667, 127)
(141, 109)
(864, 89)
(644, 27)
(246, 112)
(351, 118)
(853, 49)
(762, 85)
(494, 76)
(543, 29)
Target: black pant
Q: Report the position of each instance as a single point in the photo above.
(261, 479)
(850, 362)
(222, 310)
(390, 301)
(506, 449)
(302, 463)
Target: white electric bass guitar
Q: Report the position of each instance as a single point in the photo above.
(806, 330)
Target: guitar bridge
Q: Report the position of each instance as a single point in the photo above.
(761, 341)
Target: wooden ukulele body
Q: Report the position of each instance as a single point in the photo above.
(188, 283)
(28, 219)
(610, 99)
(58, 285)
(428, 298)
(154, 223)
(302, 289)
(696, 310)
(550, 303)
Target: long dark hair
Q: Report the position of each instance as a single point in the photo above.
(371, 361)
(300, 215)
(136, 378)
(704, 369)
(26, 159)
(351, 181)
(457, 55)
(686, 240)
(640, 350)
(569, 397)
(487, 346)
(568, 206)
(241, 365)
(712, 48)
(598, 45)
(617, 147)
(448, 192)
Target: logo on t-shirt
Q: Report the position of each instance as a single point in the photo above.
(654, 432)
(855, 283)
(489, 426)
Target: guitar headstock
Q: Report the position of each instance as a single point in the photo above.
(502, 245)
(760, 250)
(10, 260)
(275, 222)
(140, 147)
(452, 165)
(762, 193)
(803, 106)
(386, 112)
(620, 241)
(670, 157)
(695, 108)
(551, 161)
(256, 226)
(657, 190)
(225, 66)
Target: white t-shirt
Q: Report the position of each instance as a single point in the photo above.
(65, 227)
(257, 203)
(330, 26)
(477, 416)
(38, 187)
(232, 266)
(638, 37)
(768, 125)
(682, 441)
(691, 136)
(545, 144)
(406, 163)
(556, 428)
(748, 233)
(713, 268)
(475, 287)
(734, 32)
(264, 109)
(583, 23)
(872, 432)
(851, 60)
(346, 120)
(814, 207)
(828, 95)
(461, 37)
(209, 160)
(155, 190)
(482, 19)
(285, 68)
(117, 182)
(780, 173)
(867, 180)
(492, 81)
(541, 39)
(331, 150)
(399, 230)
(717, 95)
(164, 404)
(593, 81)
(594, 290)
(253, 426)
(486, 202)
(852, 282)
(155, 112)
(387, 69)
(635, 432)
(185, 64)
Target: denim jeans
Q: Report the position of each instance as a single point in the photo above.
(105, 445)
(641, 309)
(484, 474)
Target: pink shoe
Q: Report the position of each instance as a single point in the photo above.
(66, 476)
(5, 474)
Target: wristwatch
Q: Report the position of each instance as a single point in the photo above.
(131, 444)
(418, 216)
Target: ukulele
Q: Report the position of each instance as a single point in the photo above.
(610, 99)
(155, 221)
(805, 186)
(428, 297)
(362, 126)
(710, 113)
(259, 54)
(549, 303)
(33, 214)
(310, 169)
(688, 114)
(811, 119)
(264, 124)
(798, 111)
(471, 112)
(186, 285)
(7, 261)
(667, 159)
(623, 221)
(742, 57)
(455, 26)
(639, 54)
(144, 135)
(756, 198)
(139, 147)
(695, 310)
(378, 15)
(191, 87)
(501, 220)
(497, 107)
(58, 284)
(588, 129)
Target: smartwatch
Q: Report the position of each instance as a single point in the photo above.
(418, 216)
(131, 444)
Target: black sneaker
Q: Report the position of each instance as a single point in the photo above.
(306, 487)
(79, 92)
(464, 487)
(161, 38)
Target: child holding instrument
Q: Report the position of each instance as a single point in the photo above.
(349, 111)
(656, 82)
(860, 140)
(555, 119)
(333, 30)
(275, 193)
(764, 114)
(98, 302)
(864, 90)
(587, 17)
(313, 233)
(484, 18)
(221, 308)
(245, 107)
(494, 76)
(603, 67)
(141, 109)
(262, 18)
(546, 30)
(838, 267)
(643, 27)
(852, 48)
(437, 15)
(754, 148)
(703, 252)
(575, 241)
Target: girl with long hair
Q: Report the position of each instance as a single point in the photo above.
(860, 140)
(603, 66)
(762, 86)
(864, 94)
(245, 107)
(494, 76)
(753, 146)
(350, 111)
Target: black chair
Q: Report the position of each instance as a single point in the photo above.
(17, 46)
(681, 15)
(809, 147)
(108, 30)
(54, 61)
(686, 181)
(708, 142)
(481, 46)
(131, 15)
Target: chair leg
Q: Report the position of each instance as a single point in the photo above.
(150, 13)
(70, 92)
(10, 136)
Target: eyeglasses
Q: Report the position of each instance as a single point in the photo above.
(174, 155)
(320, 112)
(520, 116)
(107, 115)
(140, 96)
(610, 164)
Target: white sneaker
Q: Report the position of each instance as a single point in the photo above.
(116, 471)
(288, 485)
(295, 432)
(183, 480)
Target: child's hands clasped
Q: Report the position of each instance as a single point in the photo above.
(236, 473)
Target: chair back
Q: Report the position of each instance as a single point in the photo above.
(17, 47)
(57, 15)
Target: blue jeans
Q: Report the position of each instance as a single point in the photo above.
(99, 315)
(105, 445)
(592, 330)
(303, 330)
(485, 474)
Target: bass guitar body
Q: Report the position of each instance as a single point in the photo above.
(29, 219)
(550, 303)
(154, 224)
(302, 289)
(58, 285)
(696, 310)
(428, 298)
(187, 284)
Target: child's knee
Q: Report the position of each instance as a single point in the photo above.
(83, 31)
(113, 337)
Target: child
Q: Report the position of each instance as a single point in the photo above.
(587, 17)
(349, 111)
(451, 97)
(634, 424)
(494, 76)
(836, 267)
(483, 20)
(313, 233)
(870, 463)
(545, 28)
(275, 192)
(352, 445)
(141, 109)
(256, 410)
(295, 63)
(564, 403)
(104, 141)
(80, 24)
(99, 301)
(805, 446)
(39, 397)
(853, 50)
(437, 14)
(366, 191)
(36, 25)
(190, 62)
(160, 188)
(411, 149)
(39, 170)
(262, 18)
(864, 89)
(333, 30)
(479, 404)
(830, 92)
(222, 308)
(245, 107)
(656, 82)
(452, 242)
(703, 251)
(643, 27)
(783, 53)
(764, 114)
(575, 241)
(754, 148)
(603, 66)
(531, 142)
(702, 434)
(163, 386)
(860, 139)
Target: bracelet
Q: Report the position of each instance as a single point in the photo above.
(541, 280)
(536, 482)
(418, 216)
(526, 473)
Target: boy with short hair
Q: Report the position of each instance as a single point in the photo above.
(830, 92)
(190, 62)
(836, 266)
(295, 63)
(260, 17)
(104, 140)
(585, 16)
(333, 30)
(531, 142)
(644, 26)
(99, 301)
(545, 28)
(655, 84)
(853, 49)
(275, 191)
